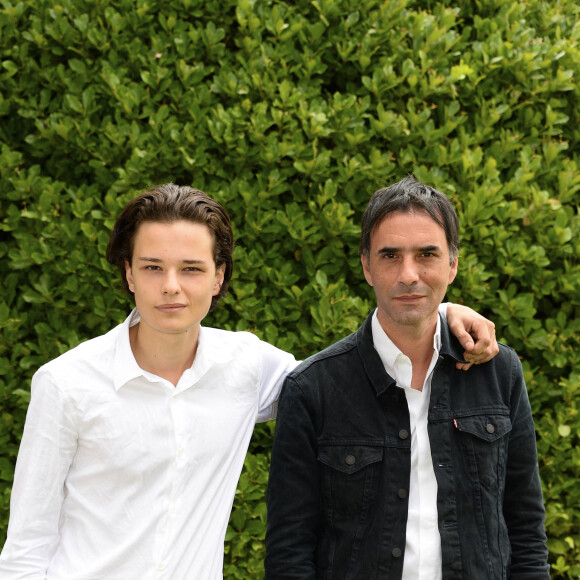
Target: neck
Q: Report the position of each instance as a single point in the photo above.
(415, 342)
(164, 355)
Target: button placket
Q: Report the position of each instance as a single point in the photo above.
(174, 486)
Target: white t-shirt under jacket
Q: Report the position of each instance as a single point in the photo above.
(123, 476)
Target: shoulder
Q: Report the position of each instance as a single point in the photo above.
(92, 353)
(497, 382)
(87, 351)
(226, 345)
(229, 336)
(505, 362)
(508, 367)
(330, 356)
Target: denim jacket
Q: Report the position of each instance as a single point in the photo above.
(339, 476)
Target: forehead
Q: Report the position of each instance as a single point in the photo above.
(176, 236)
(413, 229)
(161, 228)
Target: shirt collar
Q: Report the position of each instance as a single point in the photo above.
(210, 352)
(125, 366)
(396, 363)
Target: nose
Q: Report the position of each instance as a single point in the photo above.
(171, 283)
(409, 274)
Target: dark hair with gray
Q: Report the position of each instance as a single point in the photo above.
(410, 195)
(171, 203)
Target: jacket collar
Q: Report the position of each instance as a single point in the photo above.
(371, 360)
(373, 365)
(450, 346)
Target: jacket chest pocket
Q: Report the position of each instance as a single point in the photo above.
(484, 440)
(350, 478)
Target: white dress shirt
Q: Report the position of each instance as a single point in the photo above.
(122, 475)
(423, 543)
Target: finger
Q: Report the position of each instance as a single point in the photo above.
(481, 348)
(466, 341)
(481, 357)
(463, 366)
(484, 350)
(478, 354)
(494, 346)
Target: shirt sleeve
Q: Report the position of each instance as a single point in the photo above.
(46, 452)
(276, 364)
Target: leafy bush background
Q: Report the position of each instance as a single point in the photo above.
(292, 114)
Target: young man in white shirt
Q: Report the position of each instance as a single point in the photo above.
(134, 441)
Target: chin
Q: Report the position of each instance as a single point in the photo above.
(411, 318)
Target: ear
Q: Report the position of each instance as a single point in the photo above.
(219, 279)
(129, 276)
(453, 270)
(366, 269)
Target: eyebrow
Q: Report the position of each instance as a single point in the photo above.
(159, 261)
(394, 250)
(388, 250)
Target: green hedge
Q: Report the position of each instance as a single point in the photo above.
(292, 114)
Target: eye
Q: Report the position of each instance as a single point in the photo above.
(192, 269)
(152, 267)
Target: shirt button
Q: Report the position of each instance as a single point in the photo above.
(350, 460)
(490, 428)
(396, 552)
(402, 493)
(403, 434)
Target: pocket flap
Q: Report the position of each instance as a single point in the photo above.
(486, 427)
(349, 458)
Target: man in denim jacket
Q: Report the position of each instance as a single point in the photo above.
(389, 462)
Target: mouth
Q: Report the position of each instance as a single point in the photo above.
(170, 308)
(409, 298)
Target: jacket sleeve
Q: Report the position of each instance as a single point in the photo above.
(46, 452)
(293, 490)
(523, 505)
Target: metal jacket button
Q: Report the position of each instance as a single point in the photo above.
(396, 552)
(490, 428)
(350, 460)
(402, 493)
(403, 434)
